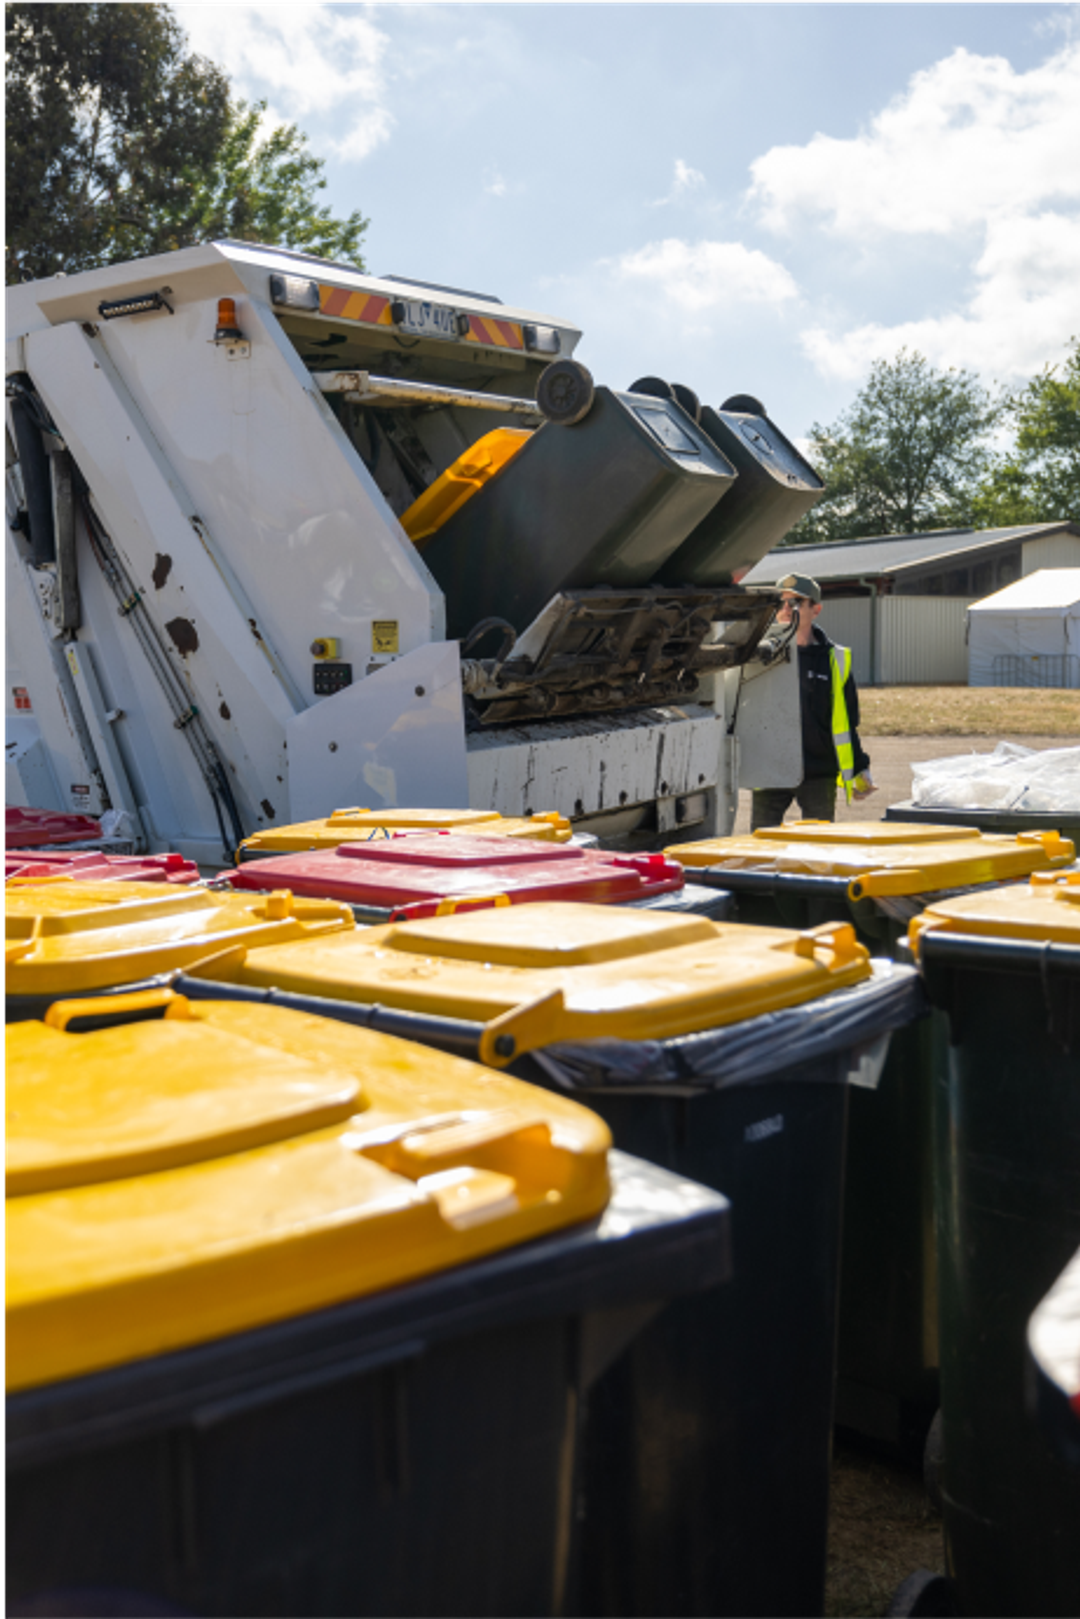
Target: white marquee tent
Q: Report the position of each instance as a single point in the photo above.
(1029, 633)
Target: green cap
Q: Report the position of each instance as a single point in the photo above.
(800, 584)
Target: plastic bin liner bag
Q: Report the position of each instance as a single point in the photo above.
(1010, 778)
(854, 1021)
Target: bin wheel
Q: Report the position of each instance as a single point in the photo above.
(652, 387)
(933, 1456)
(688, 399)
(923, 1596)
(744, 405)
(565, 392)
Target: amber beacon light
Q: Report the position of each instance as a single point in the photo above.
(228, 330)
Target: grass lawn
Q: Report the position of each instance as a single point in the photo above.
(992, 711)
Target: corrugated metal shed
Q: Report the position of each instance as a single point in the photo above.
(892, 553)
(901, 640)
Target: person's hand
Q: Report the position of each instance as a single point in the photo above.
(863, 785)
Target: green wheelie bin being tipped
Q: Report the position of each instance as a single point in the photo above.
(877, 875)
(1004, 969)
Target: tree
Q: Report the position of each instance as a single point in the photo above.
(120, 143)
(908, 455)
(1038, 481)
(260, 188)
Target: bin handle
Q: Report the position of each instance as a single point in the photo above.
(1056, 847)
(416, 1150)
(1054, 879)
(836, 938)
(523, 1028)
(119, 1008)
(896, 881)
(448, 906)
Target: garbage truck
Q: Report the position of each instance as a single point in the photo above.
(283, 537)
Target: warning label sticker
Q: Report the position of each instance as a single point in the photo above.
(384, 635)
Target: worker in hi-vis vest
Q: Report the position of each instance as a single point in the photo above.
(833, 756)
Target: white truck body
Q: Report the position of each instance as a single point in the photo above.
(225, 525)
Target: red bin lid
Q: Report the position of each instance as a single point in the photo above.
(414, 876)
(93, 864)
(27, 828)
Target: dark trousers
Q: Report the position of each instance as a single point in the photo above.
(816, 796)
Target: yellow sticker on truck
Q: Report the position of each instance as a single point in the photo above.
(384, 635)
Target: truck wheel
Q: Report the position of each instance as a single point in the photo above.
(565, 392)
(744, 405)
(933, 1456)
(923, 1596)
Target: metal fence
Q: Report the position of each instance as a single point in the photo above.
(1034, 669)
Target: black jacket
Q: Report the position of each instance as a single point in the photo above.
(815, 690)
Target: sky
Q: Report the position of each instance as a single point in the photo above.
(745, 198)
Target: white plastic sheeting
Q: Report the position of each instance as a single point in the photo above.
(1029, 633)
(1010, 778)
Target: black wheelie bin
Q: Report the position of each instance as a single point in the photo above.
(718, 1051)
(1004, 969)
(876, 876)
(1067, 822)
(302, 1319)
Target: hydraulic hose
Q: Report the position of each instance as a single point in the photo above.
(186, 718)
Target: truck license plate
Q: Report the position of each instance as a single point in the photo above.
(431, 320)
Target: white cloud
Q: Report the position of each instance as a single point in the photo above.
(971, 152)
(497, 185)
(969, 140)
(707, 275)
(1025, 306)
(309, 60)
(685, 181)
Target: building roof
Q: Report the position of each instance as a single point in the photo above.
(1053, 591)
(891, 553)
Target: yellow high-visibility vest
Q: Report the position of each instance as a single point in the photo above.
(840, 667)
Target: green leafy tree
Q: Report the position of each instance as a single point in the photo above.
(1038, 481)
(121, 143)
(261, 187)
(907, 455)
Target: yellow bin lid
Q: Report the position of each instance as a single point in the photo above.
(355, 825)
(883, 857)
(65, 938)
(1046, 909)
(229, 1165)
(462, 478)
(551, 971)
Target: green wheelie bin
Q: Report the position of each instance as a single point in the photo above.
(877, 875)
(1004, 968)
